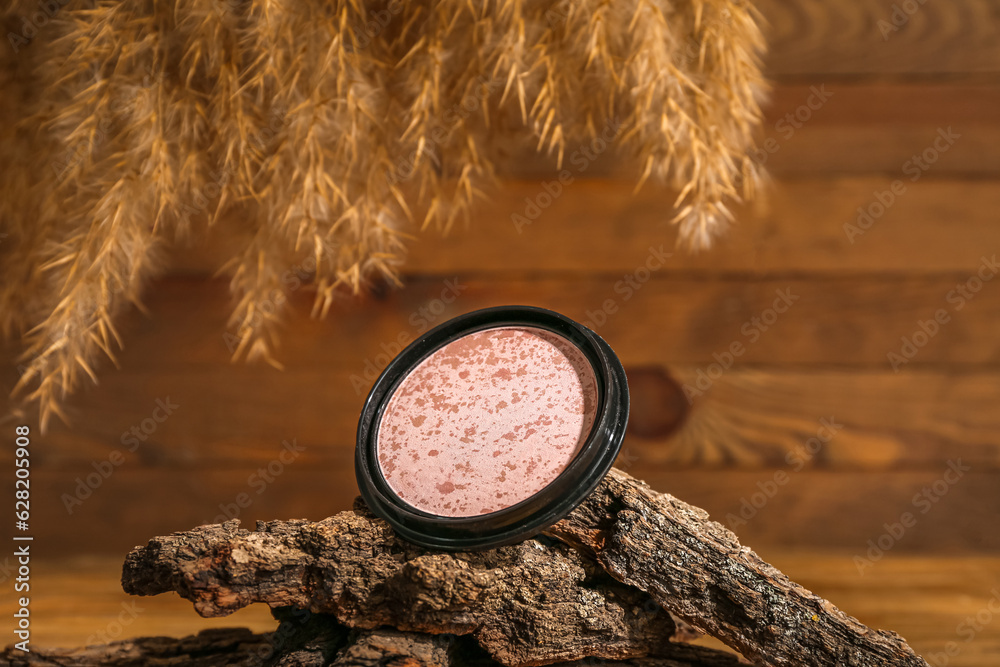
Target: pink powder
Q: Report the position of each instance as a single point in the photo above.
(487, 421)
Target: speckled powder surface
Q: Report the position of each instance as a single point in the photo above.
(486, 421)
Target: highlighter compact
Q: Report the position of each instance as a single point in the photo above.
(490, 427)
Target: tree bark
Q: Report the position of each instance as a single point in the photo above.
(623, 570)
(210, 648)
(698, 570)
(322, 643)
(532, 603)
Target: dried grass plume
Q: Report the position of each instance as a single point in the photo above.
(333, 128)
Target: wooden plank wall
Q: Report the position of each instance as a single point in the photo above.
(755, 446)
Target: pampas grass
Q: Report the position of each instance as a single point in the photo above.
(334, 128)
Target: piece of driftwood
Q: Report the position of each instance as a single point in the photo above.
(530, 603)
(389, 647)
(622, 575)
(320, 642)
(210, 648)
(698, 570)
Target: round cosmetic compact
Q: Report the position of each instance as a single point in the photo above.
(491, 427)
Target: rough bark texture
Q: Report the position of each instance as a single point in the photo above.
(621, 559)
(210, 648)
(531, 603)
(698, 570)
(320, 642)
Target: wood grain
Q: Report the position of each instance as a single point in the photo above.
(810, 509)
(811, 36)
(684, 320)
(748, 418)
(602, 226)
(936, 225)
(878, 127)
(825, 357)
(822, 123)
(927, 599)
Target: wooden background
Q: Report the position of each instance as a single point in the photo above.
(825, 358)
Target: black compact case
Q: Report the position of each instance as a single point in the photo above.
(532, 515)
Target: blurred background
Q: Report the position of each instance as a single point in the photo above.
(825, 381)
